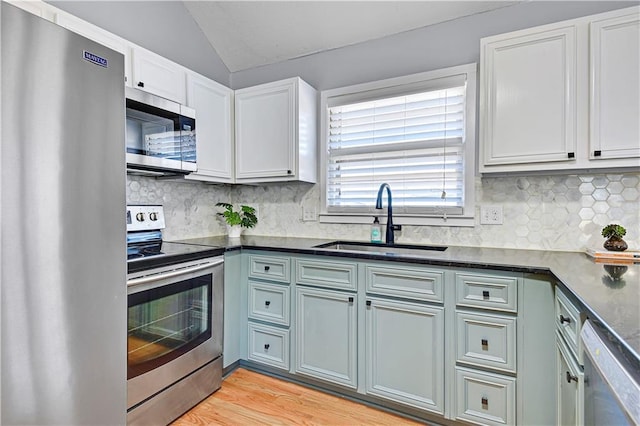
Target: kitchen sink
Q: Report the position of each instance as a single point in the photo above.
(379, 248)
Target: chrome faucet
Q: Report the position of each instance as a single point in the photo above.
(389, 237)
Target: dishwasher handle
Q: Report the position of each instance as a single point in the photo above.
(173, 273)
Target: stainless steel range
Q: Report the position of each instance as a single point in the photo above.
(174, 322)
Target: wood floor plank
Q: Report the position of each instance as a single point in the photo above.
(248, 398)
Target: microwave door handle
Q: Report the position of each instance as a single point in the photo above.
(621, 383)
(171, 274)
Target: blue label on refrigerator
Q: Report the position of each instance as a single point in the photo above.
(95, 59)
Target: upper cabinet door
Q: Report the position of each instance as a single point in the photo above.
(528, 97)
(213, 104)
(155, 74)
(276, 132)
(615, 87)
(265, 131)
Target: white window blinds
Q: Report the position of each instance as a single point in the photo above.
(413, 142)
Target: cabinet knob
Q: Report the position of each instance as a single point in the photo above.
(288, 172)
(564, 319)
(267, 302)
(571, 377)
(597, 153)
(485, 294)
(571, 154)
(266, 346)
(350, 299)
(485, 402)
(266, 268)
(485, 344)
(140, 84)
(368, 302)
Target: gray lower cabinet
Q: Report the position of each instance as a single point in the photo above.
(570, 386)
(405, 353)
(457, 344)
(268, 310)
(326, 335)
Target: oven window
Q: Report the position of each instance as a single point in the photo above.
(166, 322)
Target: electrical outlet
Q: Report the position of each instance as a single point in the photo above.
(491, 215)
(308, 214)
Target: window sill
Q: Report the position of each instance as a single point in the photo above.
(460, 221)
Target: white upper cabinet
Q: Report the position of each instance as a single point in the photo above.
(615, 87)
(213, 104)
(529, 97)
(158, 75)
(275, 126)
(563, 96)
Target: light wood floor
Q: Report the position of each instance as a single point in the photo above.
(248, 398)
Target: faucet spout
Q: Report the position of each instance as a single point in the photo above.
(389, 237)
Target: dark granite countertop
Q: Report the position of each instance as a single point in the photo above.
(609, 294)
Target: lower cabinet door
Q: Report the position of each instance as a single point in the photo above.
(269, 345)
(485, 398)
(570, 386)
(405, 353)
(326, 333)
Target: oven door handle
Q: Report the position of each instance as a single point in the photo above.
(171, 274)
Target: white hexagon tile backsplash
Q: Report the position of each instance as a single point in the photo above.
(540, 212)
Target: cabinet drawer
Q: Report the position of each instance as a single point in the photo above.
(272, 268)
(412, 283)
(269, 345)
(485, 291)
(486, 340)
(269, 302)
(568, 323)
(326, 274)
(485, 398)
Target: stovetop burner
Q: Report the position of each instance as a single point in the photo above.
(145, 247)
(138, 251)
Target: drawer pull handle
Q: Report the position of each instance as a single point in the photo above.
(350, 299)
(266, 268)
(485, 344)
(267, 302)
(485, 294)
(564, 319)
(570, 378)
(266, 346)
(485, 402)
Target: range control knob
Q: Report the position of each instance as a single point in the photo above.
(140, 217)
(153, 216)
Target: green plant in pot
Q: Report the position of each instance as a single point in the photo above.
(614, 233)
(238, 219)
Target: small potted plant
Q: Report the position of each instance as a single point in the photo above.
(614, 233)
(237, 220)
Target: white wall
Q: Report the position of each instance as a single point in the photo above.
(438, 46)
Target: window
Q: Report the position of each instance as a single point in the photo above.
(416, 133)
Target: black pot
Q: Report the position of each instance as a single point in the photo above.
(615, 244)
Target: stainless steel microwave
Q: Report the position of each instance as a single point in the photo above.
(161, 135)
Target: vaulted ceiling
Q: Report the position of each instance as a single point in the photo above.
(248, 34)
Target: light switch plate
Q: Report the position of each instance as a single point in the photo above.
(491, 215)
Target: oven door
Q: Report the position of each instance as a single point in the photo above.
(174, 325)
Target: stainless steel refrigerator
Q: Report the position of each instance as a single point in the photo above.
(62, 182)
